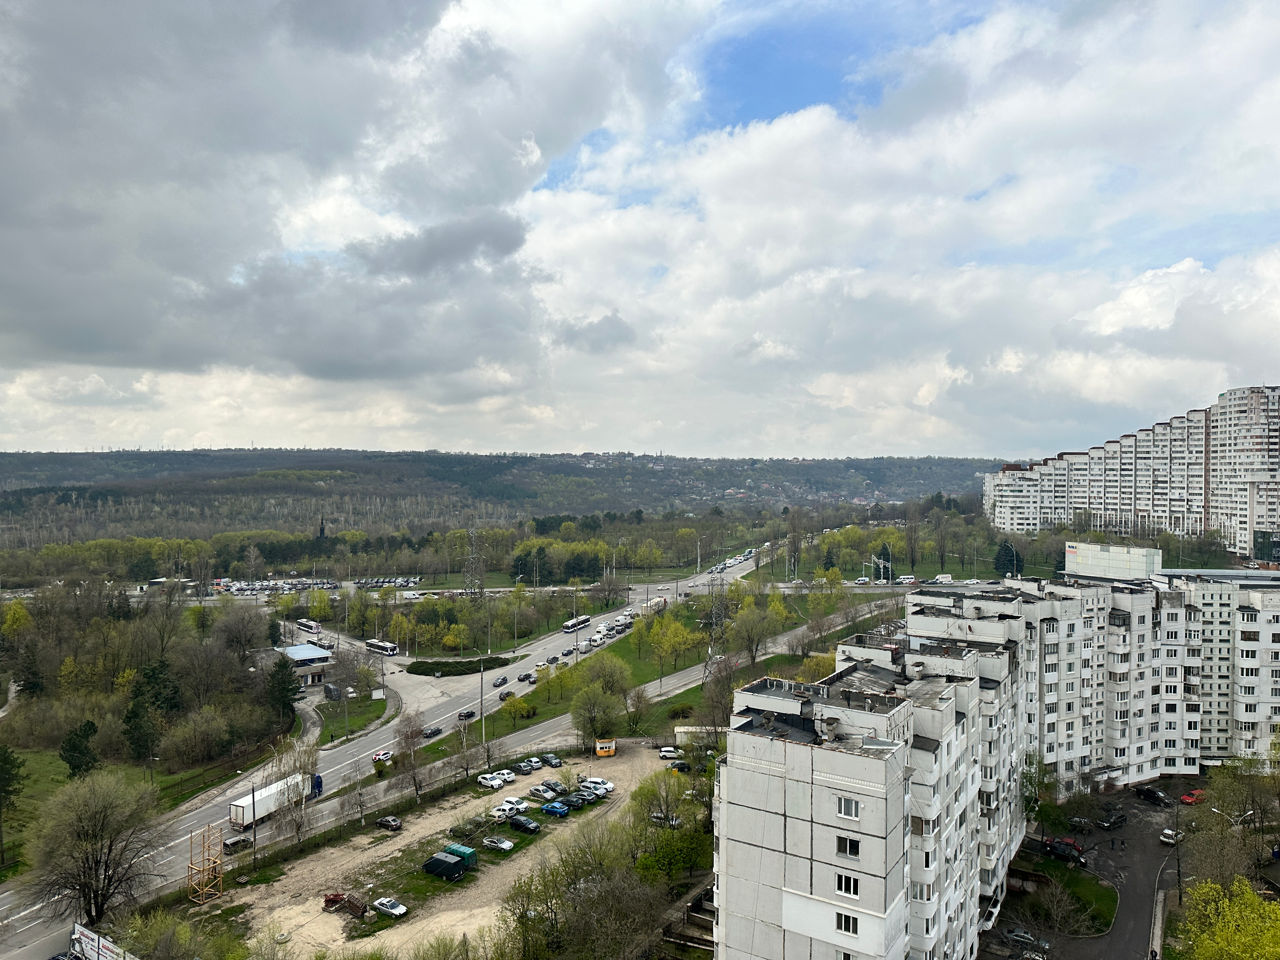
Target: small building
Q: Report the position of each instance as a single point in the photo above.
(309, 662)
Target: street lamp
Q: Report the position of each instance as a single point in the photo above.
(1236, 820)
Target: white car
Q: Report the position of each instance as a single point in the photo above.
(1171, 837)
(533, 762)
(499, 843)
(500, 813)
(516, 804)
(599, 791)
(492, 781)
(390, 906)
(862, 581)
(599, 782)
(670, 753)
(508, 776)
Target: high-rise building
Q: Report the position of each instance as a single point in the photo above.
(1212, 469)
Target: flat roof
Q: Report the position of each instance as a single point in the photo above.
(306, 651)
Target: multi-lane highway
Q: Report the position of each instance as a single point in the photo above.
(27, 932)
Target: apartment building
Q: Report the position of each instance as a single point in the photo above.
(1211, 469)
(873, 814)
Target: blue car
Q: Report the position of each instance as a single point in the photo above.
(556, 809)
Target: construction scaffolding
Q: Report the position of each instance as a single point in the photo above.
(204, 866)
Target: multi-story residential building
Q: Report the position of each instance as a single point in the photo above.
(1212, 469)
(870, 815)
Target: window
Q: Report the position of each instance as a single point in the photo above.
(847, 923)
(848, 846)
(847, 884)
(847, 807)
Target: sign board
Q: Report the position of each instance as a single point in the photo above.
(93, 946)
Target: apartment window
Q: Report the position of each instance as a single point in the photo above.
(847, 923)
(1171, 744)
(1248, 654)
(921, 891)
(847, 884)
(1171, 689)
(1248, 671)
(1171, 616)
(848, 846)
(847, 807)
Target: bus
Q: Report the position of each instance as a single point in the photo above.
(576, 624)
(384, 647)
(309, 626)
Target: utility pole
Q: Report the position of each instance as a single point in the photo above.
(473, 572)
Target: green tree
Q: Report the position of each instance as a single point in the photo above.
(1230, 924)
(516, 709)
(11, 781)
(1008, 561)
(284, 689)
(318, 606)
(750, 629)
(76, 751)
(595, 713)
(91, 847)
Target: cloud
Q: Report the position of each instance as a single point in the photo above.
(604, 335)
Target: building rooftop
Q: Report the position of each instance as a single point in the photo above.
(302, 652)
(797, 729)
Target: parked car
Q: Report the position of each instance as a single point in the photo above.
(1073, 844)
(1025, 938)
(499, 813)
(597, 782)
(587, 795)
(523, 824)
(679, 766)
(516, 804)
(573, 801)
(534, 762)
(1080, 824)
(1111, 821)
(1153, 795)
(556, 787)
(594, 789)
(234, 844)
(499, 843)
(541, 792)
(388, 823)
(1064, 852)
(508, 776)
(990, 916)
(466, 714)
(492, 781)
(1192, 797)
(673, 822)
(467, 828)
(555, 809)
(551, 760)
(670, 753)
(430, 732)
(390, 906)
(1171, 837)
(500, 681)
(382, 756)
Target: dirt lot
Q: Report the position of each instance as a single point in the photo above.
(294, 902)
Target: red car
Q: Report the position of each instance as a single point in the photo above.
(1192, 798)
(1073, 844)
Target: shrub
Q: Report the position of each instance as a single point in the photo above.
(456, 668)
(681, 711)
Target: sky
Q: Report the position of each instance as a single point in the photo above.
(700, 228)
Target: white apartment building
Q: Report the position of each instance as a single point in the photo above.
(874, 814)
(1211, 469)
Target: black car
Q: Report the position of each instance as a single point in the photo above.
(556, 787)
(567, 652)
(1111, 821)
(500, 681)
(430, 732)
(679, 766)
(1080, 824)
(553, 659)
(506, 694)
(1153, 795)
(573, 801)
(232, 844)
(586, 796)
(523, 824)
(551, 760)
(524, 676)
(1064, 852)
(466, 714)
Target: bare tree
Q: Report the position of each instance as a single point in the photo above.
(90, 849)
(241, 628)
(467, 755)
(412, 770)
(637, 703)
(296, 764)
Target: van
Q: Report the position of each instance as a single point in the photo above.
(905, 580)
(445, 866)
(236, 844)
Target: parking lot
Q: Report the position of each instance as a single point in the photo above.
(1132, 859)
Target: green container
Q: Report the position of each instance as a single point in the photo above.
(466, 854)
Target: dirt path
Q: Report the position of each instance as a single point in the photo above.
(294, 902)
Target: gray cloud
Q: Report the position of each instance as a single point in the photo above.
(490, 234)
(604, 335)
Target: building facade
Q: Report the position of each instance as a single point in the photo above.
(873, 814)
(1212, 469)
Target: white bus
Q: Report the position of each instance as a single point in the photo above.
(309, 626)
(576, 624)
(384, 647)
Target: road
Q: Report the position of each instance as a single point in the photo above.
(26, 933)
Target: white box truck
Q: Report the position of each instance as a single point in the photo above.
(260, 804)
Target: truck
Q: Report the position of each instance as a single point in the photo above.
(260, 804)
(466, 854)
(656, 605)
(584, 646)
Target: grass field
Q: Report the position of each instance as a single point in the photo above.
(343, 718)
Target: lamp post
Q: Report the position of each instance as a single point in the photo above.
(1236, 820)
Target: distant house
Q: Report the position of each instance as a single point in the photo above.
(309, 662)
